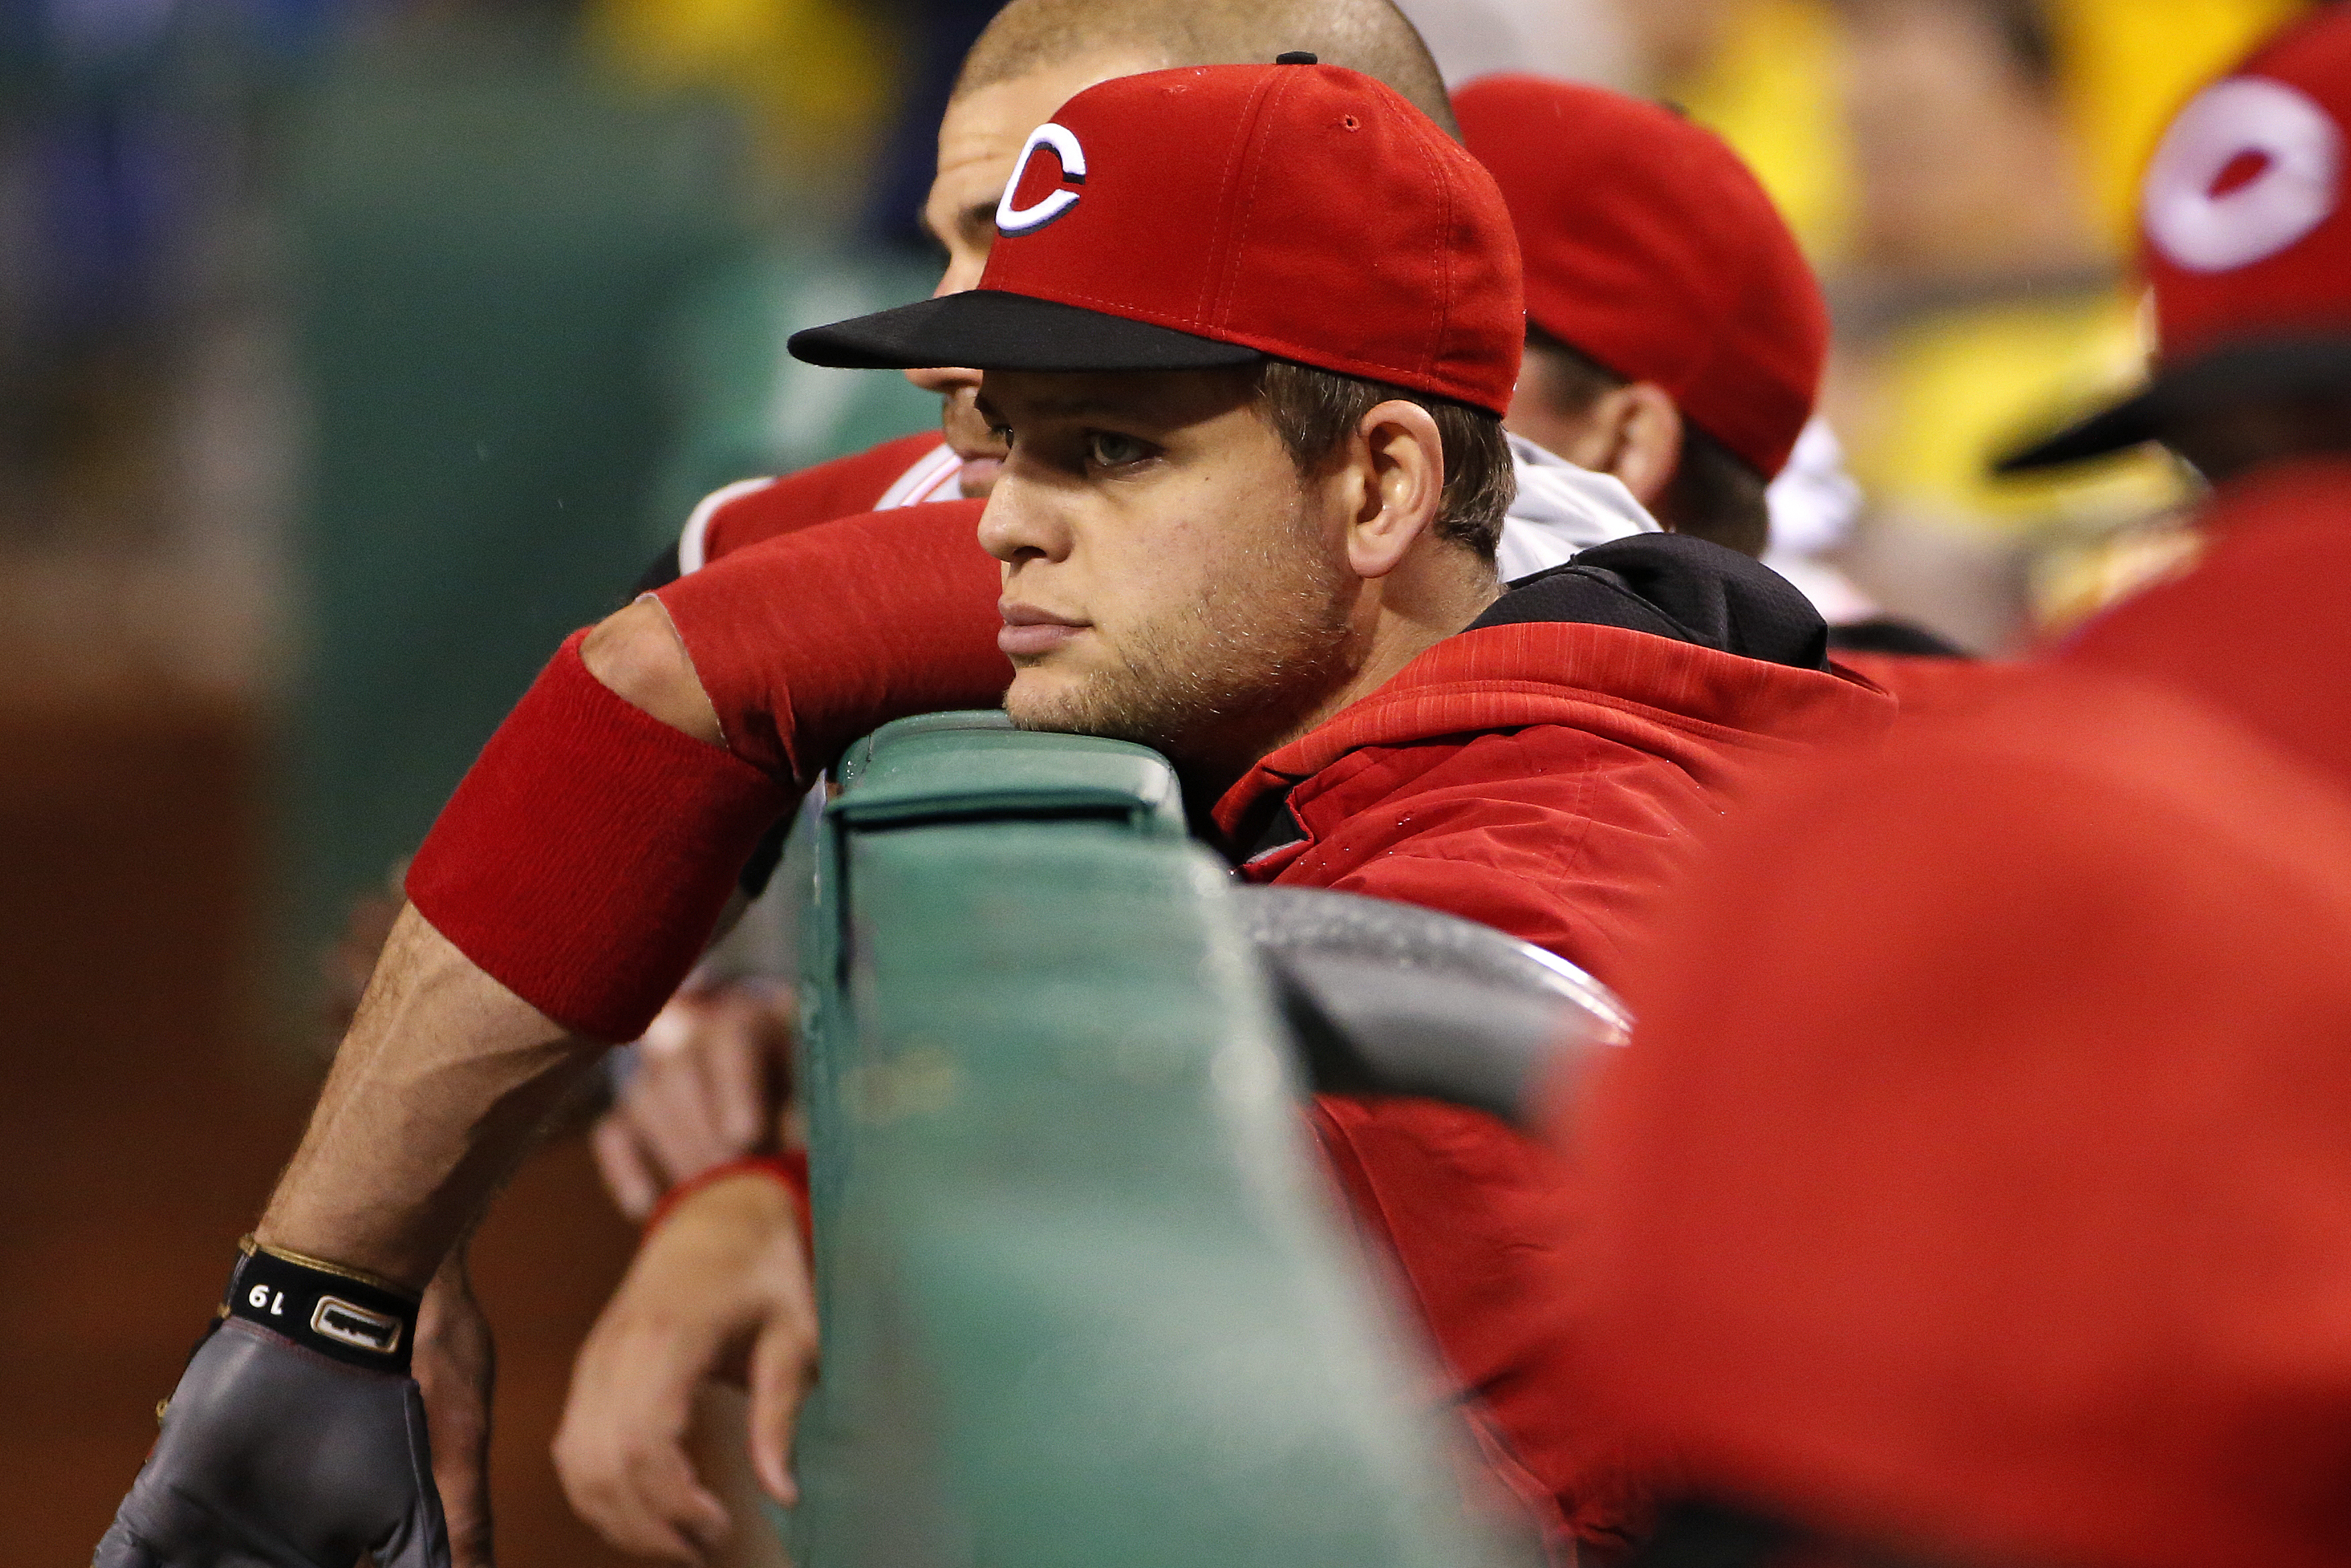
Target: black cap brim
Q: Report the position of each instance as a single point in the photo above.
(2284, 366)
(2127, 423)
(990, 330)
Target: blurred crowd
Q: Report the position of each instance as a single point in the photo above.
(329, 321)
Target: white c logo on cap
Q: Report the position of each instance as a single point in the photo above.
(2291, 194)
(1012, 220)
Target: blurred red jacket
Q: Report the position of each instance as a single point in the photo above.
(1974, 1180)
(2257, 629)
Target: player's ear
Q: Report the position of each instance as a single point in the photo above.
(1636, 436)
(1403, 459)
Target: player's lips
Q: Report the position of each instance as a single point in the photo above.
(976, 445)
(978, 477)
(1029, 632)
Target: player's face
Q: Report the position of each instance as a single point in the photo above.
(981, 135)
(1169, 577)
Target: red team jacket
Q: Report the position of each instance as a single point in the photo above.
(1544, 779)
(1541, 777)
(2257, 630)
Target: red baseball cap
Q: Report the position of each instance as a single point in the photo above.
(1218, 215)
(2245, 241)
(1649, 246)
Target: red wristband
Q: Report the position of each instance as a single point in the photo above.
(585, 859)
(789, 1169)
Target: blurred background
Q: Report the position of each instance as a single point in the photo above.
(352, 351)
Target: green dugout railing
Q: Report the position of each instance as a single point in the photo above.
(1085, 1297)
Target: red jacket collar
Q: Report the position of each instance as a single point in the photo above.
(2294, 489)
(1649, 689)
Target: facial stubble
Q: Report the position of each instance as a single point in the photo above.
(1230, 672)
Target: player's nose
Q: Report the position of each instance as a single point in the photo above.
(1020, 525)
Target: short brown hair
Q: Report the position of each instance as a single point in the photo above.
(1714, 493)
(1315, 410)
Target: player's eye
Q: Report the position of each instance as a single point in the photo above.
(1108, 449)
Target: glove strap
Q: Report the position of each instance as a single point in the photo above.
(357, 1319)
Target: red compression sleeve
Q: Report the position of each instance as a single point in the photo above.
(585, 858)
(807, 642)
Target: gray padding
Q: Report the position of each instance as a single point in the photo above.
(1393, 999)
(273, 1458)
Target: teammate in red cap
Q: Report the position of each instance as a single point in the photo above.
(1256, 473)
(1972, 1189)
(1676, 334)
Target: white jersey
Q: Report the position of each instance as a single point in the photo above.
(1561, 509)
(933, 477)
(1814, 504)
(930, 478)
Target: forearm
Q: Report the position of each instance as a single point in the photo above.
(581, 866)
(433, 1098)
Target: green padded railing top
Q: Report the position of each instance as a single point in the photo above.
(1085, 1294)
(977, 767)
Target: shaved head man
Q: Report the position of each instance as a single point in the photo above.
(1038, 54)
(1032, 57)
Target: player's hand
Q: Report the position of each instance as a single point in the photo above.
(456, 1368)
(721, 1290)
(294, 1436)
(711, 1074)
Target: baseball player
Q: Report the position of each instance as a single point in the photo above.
(697, 1092)
(1614, 866)
(1676, 339)
(1648, 245)
(2001, 1073)
(1252, 491)
(1676, 343)
(816, 700)
(1662, 252)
